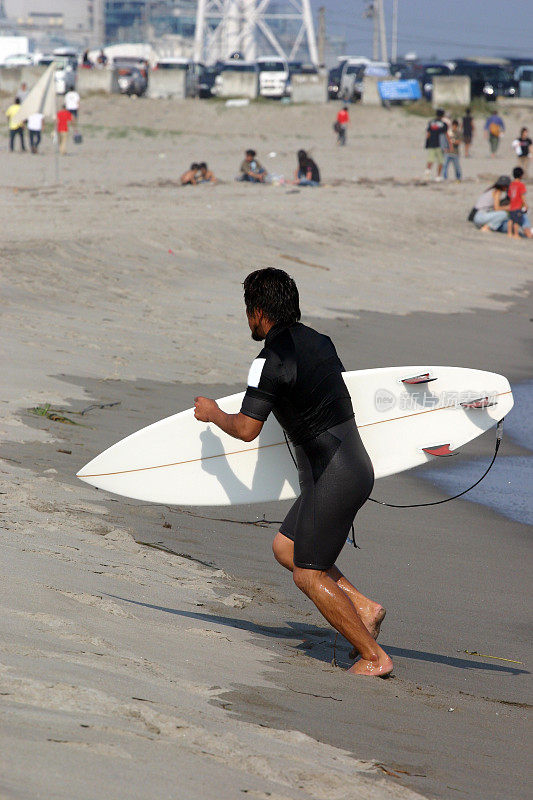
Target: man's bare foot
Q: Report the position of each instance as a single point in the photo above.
(380, 668)
(372, 623)
(484, 229)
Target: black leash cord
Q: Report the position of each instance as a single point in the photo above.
(499, 436)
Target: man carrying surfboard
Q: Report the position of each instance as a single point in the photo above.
(298, 376)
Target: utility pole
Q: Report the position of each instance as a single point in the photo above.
(321, 36)
(374, 11)
(382, 32)
(394, 42)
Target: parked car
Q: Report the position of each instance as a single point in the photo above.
(17, 60)
(523, 76)
(430, 71)
(132, 76)
(334, 82)
(378, 69)
(487, 80)
(273, 76)
(350, 68)
(206, 81)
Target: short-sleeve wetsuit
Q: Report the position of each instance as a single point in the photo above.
(298, 376)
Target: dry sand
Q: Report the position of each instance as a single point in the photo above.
(132, 672)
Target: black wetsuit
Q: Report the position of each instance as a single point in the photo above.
(298, 376)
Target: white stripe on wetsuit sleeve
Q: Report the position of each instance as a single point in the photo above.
(254, 376)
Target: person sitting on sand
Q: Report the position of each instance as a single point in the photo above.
(206, 176)
(490, 213)
(307, 173)
(251, 169)
(189, 177)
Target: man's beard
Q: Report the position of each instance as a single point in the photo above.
(256, 336)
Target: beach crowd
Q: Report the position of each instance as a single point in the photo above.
(501, 207)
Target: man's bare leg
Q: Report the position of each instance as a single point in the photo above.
(338, 609)
(370, 612)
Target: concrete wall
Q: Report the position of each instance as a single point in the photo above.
(31, 75)
(451, 90)
(167, 83)
(10, 80)
(239, 84)
(371, 95)
(309, 88)
(96, 80)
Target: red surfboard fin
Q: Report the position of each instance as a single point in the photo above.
(441, 450)
(418, 379)
(481, 402)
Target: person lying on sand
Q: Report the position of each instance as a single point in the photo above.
(298, 377)
(190, 177)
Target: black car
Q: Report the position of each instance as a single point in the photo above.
(430, 71)
(334, 82)
(488, 80)
(206, 81)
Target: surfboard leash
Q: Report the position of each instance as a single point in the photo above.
(499, 437)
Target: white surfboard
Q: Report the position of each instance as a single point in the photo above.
(406, 417)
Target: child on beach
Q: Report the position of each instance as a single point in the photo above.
(452, 153)
(517, 203)
(189, 176)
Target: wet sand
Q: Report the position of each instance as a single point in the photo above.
(198, 656)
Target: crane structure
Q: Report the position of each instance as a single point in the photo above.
(253, 28)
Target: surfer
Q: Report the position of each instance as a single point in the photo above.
(298, 376)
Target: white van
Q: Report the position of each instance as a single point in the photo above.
(273, 76)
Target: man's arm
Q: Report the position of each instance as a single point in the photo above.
(237, 425)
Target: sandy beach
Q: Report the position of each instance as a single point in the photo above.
(148, 651)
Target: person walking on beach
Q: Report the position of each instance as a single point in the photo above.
(63, 118)
(517, 203)
(341, 123)
(452, 154)
(436, 134)
(298, 377)
(468, 131)
(72, 103)
(15, 128)
(494, 128)
(522, 147)
(35, 127)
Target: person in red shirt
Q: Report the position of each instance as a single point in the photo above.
(517, 203)
(343, 119)
(63, 118)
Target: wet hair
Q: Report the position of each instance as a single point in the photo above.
(518, 172)
(202, 165)
(302, 158)
(250, 153)
(194, 165)
(274, 293)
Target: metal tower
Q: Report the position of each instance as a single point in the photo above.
(253, 27)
